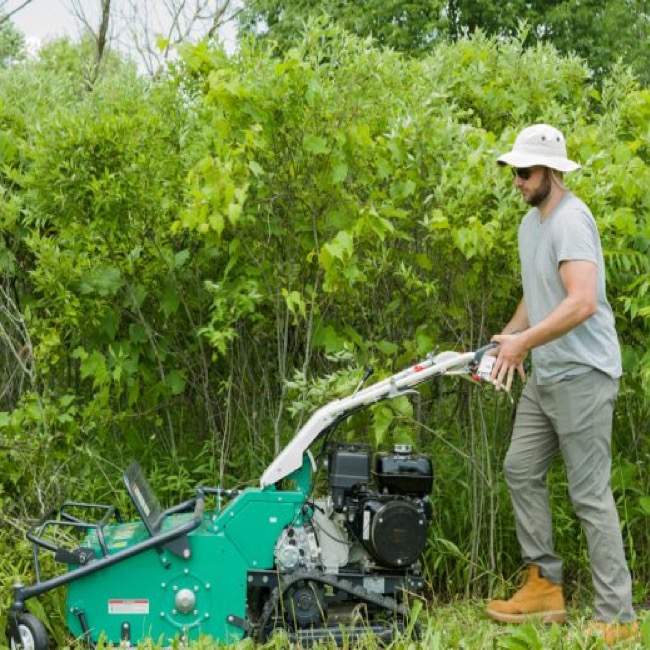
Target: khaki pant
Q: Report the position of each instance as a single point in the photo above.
(573, 416)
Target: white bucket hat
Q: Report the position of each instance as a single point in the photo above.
(539, 145)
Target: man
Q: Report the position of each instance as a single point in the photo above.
(567, 404)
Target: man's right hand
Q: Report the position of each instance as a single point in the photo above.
(511, 354)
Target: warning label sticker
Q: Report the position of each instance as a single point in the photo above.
(128, 606)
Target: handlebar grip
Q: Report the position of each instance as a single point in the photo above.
(478, 355)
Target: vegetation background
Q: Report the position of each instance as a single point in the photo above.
(194, 260)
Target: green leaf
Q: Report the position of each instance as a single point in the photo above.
(524, 637)
(295, 303)
(94, 365)
(234, 212)
(382, 417)
(170, 301)
(315, 144)
(181, 258)
(216, 222)
(384, 168)
(66, 400)
(339, 173)
(256, 168)
(136, 295)
(388, 348)
(138, 333)
(175, 381)
(328, 338)
(403, 188)
(424, 262)
(104, 280)
(108, 325)
(424, 343)
(339, 248)
(162, 43)
(36, 608)
(8, 149)
(644, 504)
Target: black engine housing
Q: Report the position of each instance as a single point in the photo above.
(388, 510)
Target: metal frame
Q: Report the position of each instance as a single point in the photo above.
(291, 457)
(22, 593)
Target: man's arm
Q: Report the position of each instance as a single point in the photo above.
(519, 321)
(579, 280)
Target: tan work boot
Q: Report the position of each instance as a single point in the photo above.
(612, 633)
(539, 599)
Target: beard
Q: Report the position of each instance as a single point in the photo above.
(542, 193)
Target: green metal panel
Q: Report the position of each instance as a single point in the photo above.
(143, 591)
(254, 523)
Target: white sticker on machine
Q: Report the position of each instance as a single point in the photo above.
(128, 606)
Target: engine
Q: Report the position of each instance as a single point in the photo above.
(376, 514)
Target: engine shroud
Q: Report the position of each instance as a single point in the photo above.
(404, 473)
(393, 530)
(349, 471)
(387, 509)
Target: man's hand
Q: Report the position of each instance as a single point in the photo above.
(511, 355)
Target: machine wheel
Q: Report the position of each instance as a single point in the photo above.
(33, 635)
(306, 606)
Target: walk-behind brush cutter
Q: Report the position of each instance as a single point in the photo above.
(267, 557)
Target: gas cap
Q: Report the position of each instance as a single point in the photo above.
(185, 601)
(402, 449)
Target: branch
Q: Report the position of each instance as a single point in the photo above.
(103, 30)
(14, 335)
(78, 12)
(6, 16)
(100, 36)
(175, 20)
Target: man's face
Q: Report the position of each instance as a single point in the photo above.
(534, 184)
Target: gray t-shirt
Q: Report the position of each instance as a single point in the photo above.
(569, 233)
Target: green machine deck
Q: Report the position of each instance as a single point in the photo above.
(159, 594)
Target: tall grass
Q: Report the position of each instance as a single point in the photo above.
(459, 625)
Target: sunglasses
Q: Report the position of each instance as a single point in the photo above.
(523, 173)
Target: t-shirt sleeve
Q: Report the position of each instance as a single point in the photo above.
(576, 238)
